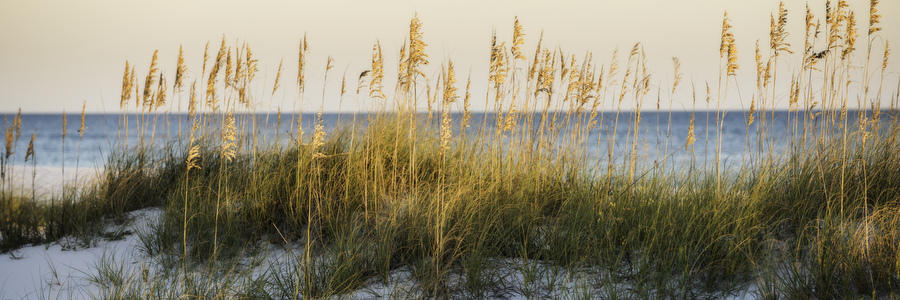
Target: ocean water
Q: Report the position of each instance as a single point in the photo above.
(104, 134)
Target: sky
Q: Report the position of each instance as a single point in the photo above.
(56, 54)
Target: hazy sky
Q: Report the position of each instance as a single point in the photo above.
(54, 54)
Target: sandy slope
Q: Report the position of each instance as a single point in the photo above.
(62, 269)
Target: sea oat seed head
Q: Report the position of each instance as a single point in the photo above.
(179, 70)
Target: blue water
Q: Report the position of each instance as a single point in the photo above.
(104, 133)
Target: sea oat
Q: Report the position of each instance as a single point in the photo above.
(211, 82)
(17, 123)
(727, 47)
(466, 104)
(498, 63)
(277, 77)
(751, 115)
(417, 57)
(229, 69)
(874, 17)
(205, 58)
(344, 83)
(82, 128)
(677, 77)
(30, 152)
(377, 77)
(127, 85)
(301, 63)
(151, 77)
(229, 138)
(64, 131)
(849, 36)
(318, 139)
(160, 93)
(179, 70)
(887, 53)
(518, 40)
(192, 103)
(9, 145)
(449, 84)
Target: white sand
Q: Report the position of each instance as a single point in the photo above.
(59, 270)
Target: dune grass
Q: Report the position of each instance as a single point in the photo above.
(456, 207)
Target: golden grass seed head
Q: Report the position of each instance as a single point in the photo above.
(778, 33)
(727, 47)
(192, 103)
(498, 69)
(193, 154)
(532, 71)
(466, 103)
(278, 118)
(417, 56)
(518, 40)
(586, 80)
(160, 93)
(213, 73)
(794, 93)
(64, 121)
(229, 68)
(126, 86)
(732, 64)
(205, 58)
(417, 45)
(377, 73)
(450, 84)
(29, 153)
(240, 71)
(402, 65)
(598, 86)
(689, 142)
(887, 53)
(677, 70)
(180, 69)
(547, 74)
(9, 143)
(834, 21)
(277, 77)
(614, 63)
(344, 83)
(329, 65)
(151, 77)
(446, 129)
(708, 93)
(760, 67)
(82, 127)
(509, 121)
(251, 65)
(229, 137)
(17, 123)
(301, 63)
(874, 17)
(849, 36)
(318, 141)
(726, 31)
(563, 68)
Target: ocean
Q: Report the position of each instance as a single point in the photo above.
(103, 134)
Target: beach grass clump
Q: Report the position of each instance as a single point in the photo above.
(548, 195)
